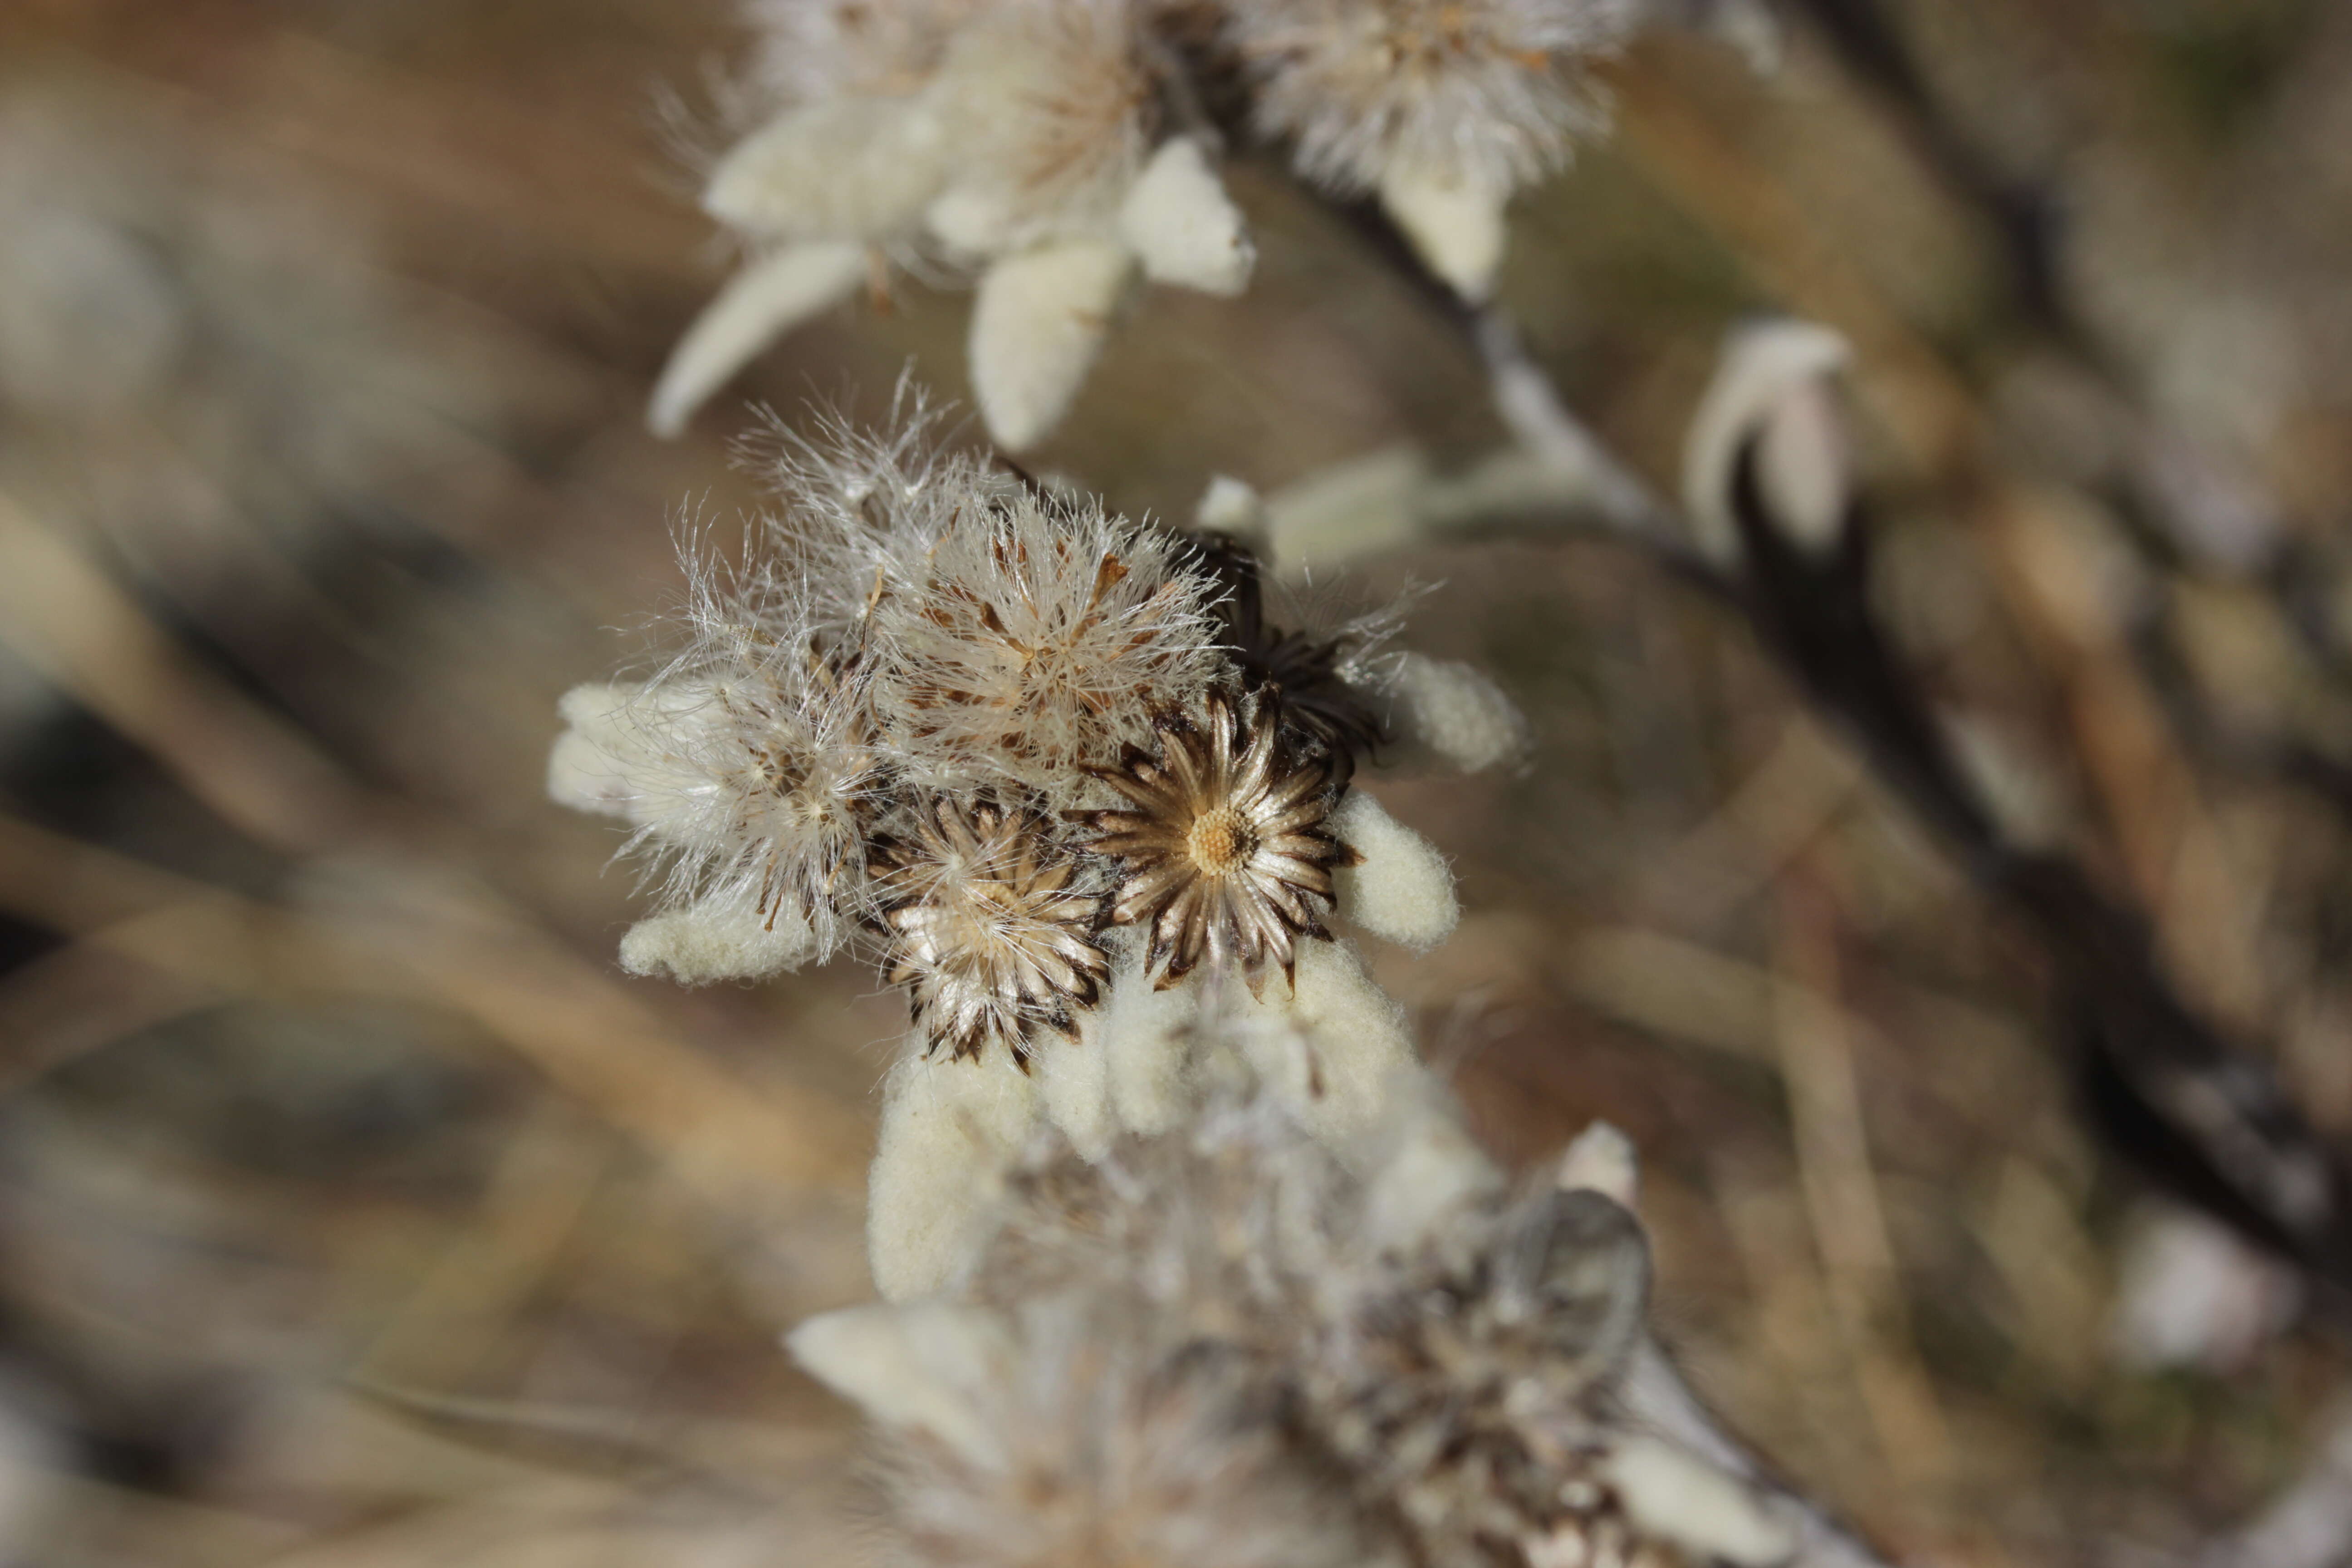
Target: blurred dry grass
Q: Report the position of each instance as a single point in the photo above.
(356, 1211)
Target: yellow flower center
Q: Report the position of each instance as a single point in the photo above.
(1221, 841)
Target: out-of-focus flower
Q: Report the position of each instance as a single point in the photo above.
(1230, 1342)
(1024, 140)
(1442, 108)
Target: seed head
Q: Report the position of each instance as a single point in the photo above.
(1488, 90)
(1223, 847)
(990, 931)
(1033, 642)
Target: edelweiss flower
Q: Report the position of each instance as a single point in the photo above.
(990, 934)
(1224, 846)
(1020, 138)
(1443, 107)
(1035, 641)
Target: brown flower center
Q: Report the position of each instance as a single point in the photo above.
(1221, 841)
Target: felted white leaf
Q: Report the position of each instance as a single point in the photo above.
(1179, 221)
(1402, 890)
(1456, 223)
(1453, 713)
(951, 1130)
(927, 1368)
(760, 304)
(844, 168)
(1036, 325)
(717, 938)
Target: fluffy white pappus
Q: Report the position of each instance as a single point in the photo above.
(747, 771)
(1038, 321)
(1036, 639)
(1049, 108)
(1449, 714)
(1181, 225)
(1773, 405)
(769, 298)
(1489, 93)
(1400, 889)
(846, 168)
(950, 1133)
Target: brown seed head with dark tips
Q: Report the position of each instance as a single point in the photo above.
(988, 933)
(1223, 848)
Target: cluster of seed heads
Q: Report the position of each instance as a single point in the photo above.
(983, 729)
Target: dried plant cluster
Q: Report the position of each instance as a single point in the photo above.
(1058, 149)
(975, 729)
(1231, 1343)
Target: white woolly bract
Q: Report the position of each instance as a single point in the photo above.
(1036, 639)
(1491, 91)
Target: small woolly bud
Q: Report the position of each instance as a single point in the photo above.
(1184, 227)
(1453, 713)
(846, 168)
(716, 940)
(922, 1368)
(1454, 221)
(1037, 323)
(1401, 890)
(1600, 1159)
(949, 1134)
(760, 304)
(1231, 506)
(1679, 1497)
(1773, 400)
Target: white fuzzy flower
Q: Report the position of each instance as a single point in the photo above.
(1440, 107)
(1023, 140)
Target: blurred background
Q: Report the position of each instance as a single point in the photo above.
(355, 1210)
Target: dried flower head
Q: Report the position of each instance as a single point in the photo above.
(1022, 139)
(1488, 90)
(1031, 642)
(1224, 845)
(991, 930)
